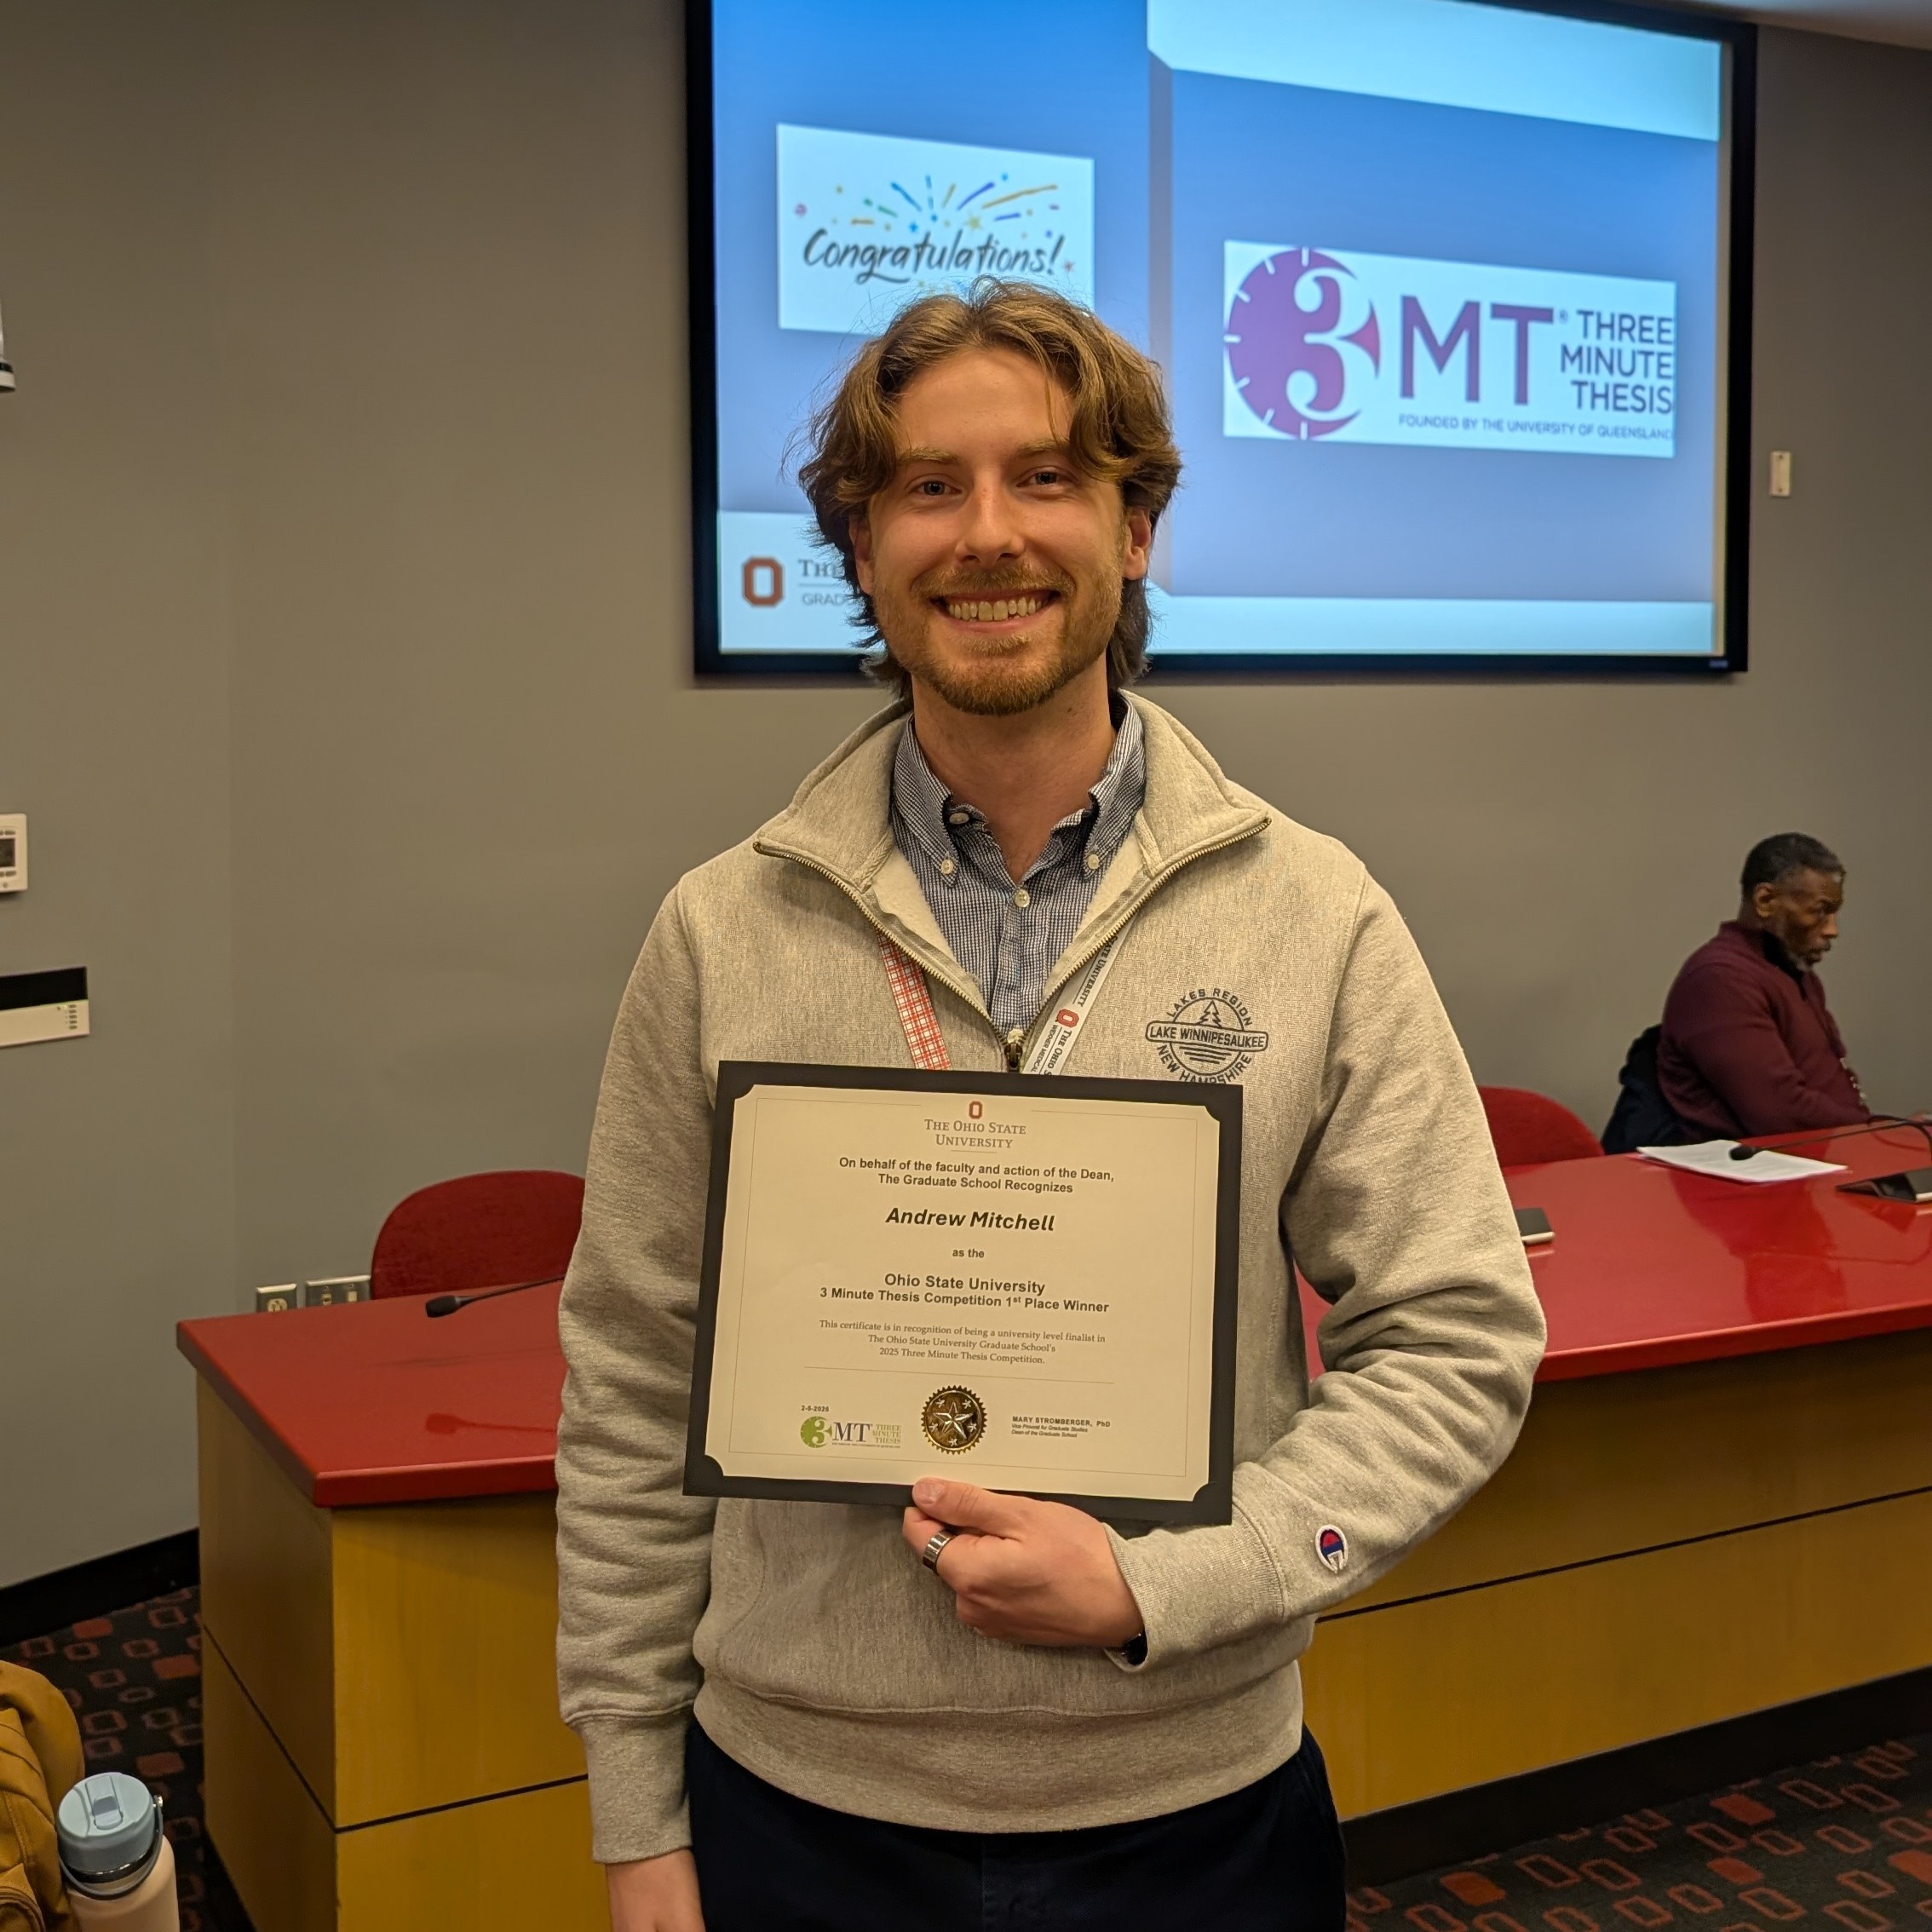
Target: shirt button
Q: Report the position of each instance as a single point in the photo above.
(1093, 861)
(1022, 897)
(947, 868)
(1014, 1035)
(958, 818)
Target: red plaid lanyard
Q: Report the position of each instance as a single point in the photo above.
(914, 1000)
(911, 994)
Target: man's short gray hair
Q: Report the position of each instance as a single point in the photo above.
(1772, 860)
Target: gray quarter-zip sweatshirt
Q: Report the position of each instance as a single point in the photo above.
(814, 1648)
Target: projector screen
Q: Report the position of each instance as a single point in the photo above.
(1452, 296)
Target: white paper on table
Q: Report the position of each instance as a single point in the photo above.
(1714, 1157)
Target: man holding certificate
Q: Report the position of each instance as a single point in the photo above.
(943, 1501)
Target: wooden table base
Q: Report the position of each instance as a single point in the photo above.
(381, 1744)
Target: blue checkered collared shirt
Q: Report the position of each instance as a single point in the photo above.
(1009, 936)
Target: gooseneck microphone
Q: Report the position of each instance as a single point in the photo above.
(1878, 1123)
(1912, 1184)
(448, 1304)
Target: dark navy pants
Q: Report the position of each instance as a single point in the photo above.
(1265, 1859)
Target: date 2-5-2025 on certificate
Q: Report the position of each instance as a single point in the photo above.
(1028, 1281)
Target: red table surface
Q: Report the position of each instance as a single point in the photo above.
(375, 1403)
(1651, 1267)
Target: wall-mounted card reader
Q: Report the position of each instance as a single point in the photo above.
(13, 851)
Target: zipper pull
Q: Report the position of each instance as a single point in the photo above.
(1014, 1040)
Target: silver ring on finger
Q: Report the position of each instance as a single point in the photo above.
(935, 1548)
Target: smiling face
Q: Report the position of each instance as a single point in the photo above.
(993, 565)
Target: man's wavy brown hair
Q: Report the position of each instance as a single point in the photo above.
(1120, 429)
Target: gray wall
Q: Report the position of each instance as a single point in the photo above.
(344, 616)
(117, 1153)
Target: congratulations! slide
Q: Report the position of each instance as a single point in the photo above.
(1437, 286)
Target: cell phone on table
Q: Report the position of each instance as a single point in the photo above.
(1533, 1225)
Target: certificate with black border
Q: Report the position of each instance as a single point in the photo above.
(1026, 1283)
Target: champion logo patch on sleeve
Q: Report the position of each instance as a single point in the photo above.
(1332, 1547)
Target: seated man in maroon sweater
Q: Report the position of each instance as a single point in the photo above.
(1749, 1045)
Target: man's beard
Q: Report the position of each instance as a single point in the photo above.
(1001, 676)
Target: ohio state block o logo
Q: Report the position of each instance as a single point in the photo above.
(762, 581)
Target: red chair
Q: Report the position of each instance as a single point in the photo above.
(1528, 1127)
(478, 1230)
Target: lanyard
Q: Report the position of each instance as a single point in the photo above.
(914, 1000)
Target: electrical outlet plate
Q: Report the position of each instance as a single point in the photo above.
(277, 1300)
(335, 1288)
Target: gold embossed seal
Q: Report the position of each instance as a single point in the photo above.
(954, 1419)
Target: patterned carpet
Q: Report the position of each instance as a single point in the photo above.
(133, 1678)
(1848, 1839)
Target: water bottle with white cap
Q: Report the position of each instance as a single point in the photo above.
(115, 1857)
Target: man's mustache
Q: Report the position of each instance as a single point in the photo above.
(994, 584)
